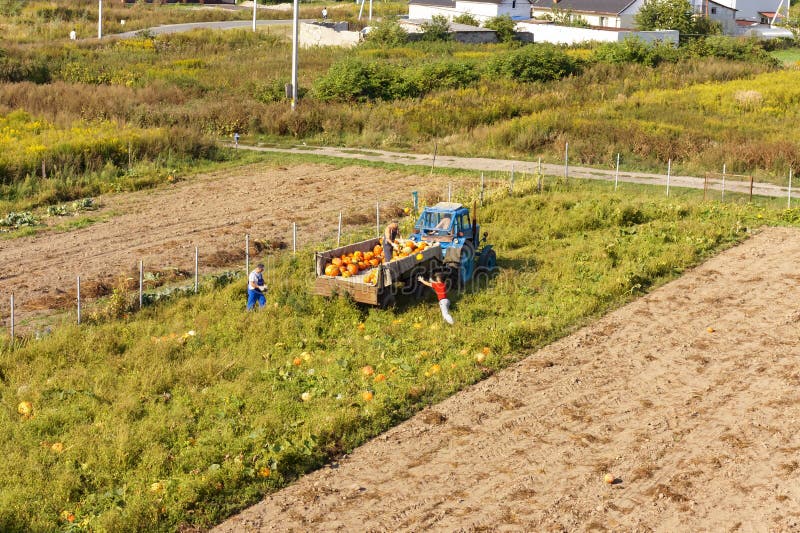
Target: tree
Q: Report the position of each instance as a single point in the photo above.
(666, 15)
(504, 26)
(436, 29)
(466, 18)
(387, 34)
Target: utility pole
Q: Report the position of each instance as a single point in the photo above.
(100, 19)
(255, 5)
(295, 25)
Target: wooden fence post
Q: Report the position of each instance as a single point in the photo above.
(141, 283)
(79, 299)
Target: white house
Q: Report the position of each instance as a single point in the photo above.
(761, 11)
(622, 13)
(719, 12)
(481, 10)
(599, 13)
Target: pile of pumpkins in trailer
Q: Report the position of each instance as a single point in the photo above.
(353, 263)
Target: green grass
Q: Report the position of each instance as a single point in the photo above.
(790, 56)
(218, 83)
(163, 430)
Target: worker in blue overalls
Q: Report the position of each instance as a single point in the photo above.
(256, 288)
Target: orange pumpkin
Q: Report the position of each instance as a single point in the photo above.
(346, 274)
(352, 268)
(377, 249)
(374, 262)
(363, 265)
(368, 256)
(336, 261)
(331, 270)
(358, 256)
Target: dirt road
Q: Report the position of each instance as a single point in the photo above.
(690, 396)
(213, 211)
(506, 165)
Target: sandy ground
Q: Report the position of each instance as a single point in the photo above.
(212, 211)
(700, 427)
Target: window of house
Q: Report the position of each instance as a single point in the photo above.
(513, 4)
(603, 21)
(713, 10)
(764, 20)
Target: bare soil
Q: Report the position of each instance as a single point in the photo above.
(689, 397)
(213, 212)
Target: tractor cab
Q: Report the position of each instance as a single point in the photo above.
(458, 235)
(446, 223)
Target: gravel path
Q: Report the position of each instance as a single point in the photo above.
(485, 164)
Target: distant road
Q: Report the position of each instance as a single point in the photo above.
(506, 165)
(189, 26)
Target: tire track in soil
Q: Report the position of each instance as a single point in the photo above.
(703, 428)
(212, 211)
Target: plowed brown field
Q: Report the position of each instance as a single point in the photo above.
(213, 212)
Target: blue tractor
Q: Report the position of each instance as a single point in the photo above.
(464, 250)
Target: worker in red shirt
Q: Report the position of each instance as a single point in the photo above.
(440, 289)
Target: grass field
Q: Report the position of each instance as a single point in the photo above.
(189, 410)
(789, 56)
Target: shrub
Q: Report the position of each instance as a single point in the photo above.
(466, 18)
(10, 8)
(440, 75)
(437, 29)
(634, 50)
(15, 69)
(387, 34)
(504, 27)
(750, 50)
(536, 62)
(354, 79)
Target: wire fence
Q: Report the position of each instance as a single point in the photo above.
(526, 178)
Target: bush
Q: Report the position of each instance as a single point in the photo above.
(355, 79)
(750, 50)
(441, 75)
(17, 69)
(387, 34)
(466, 18)
(437, 29)
(504, 27)
(536, 62)
(634, 50)
(10, 8)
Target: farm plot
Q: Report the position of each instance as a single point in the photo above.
(687, 396)
(213, 212)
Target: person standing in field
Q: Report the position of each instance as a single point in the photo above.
(324, 13)
(256, 288)
(390, 238)
(440, 288)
